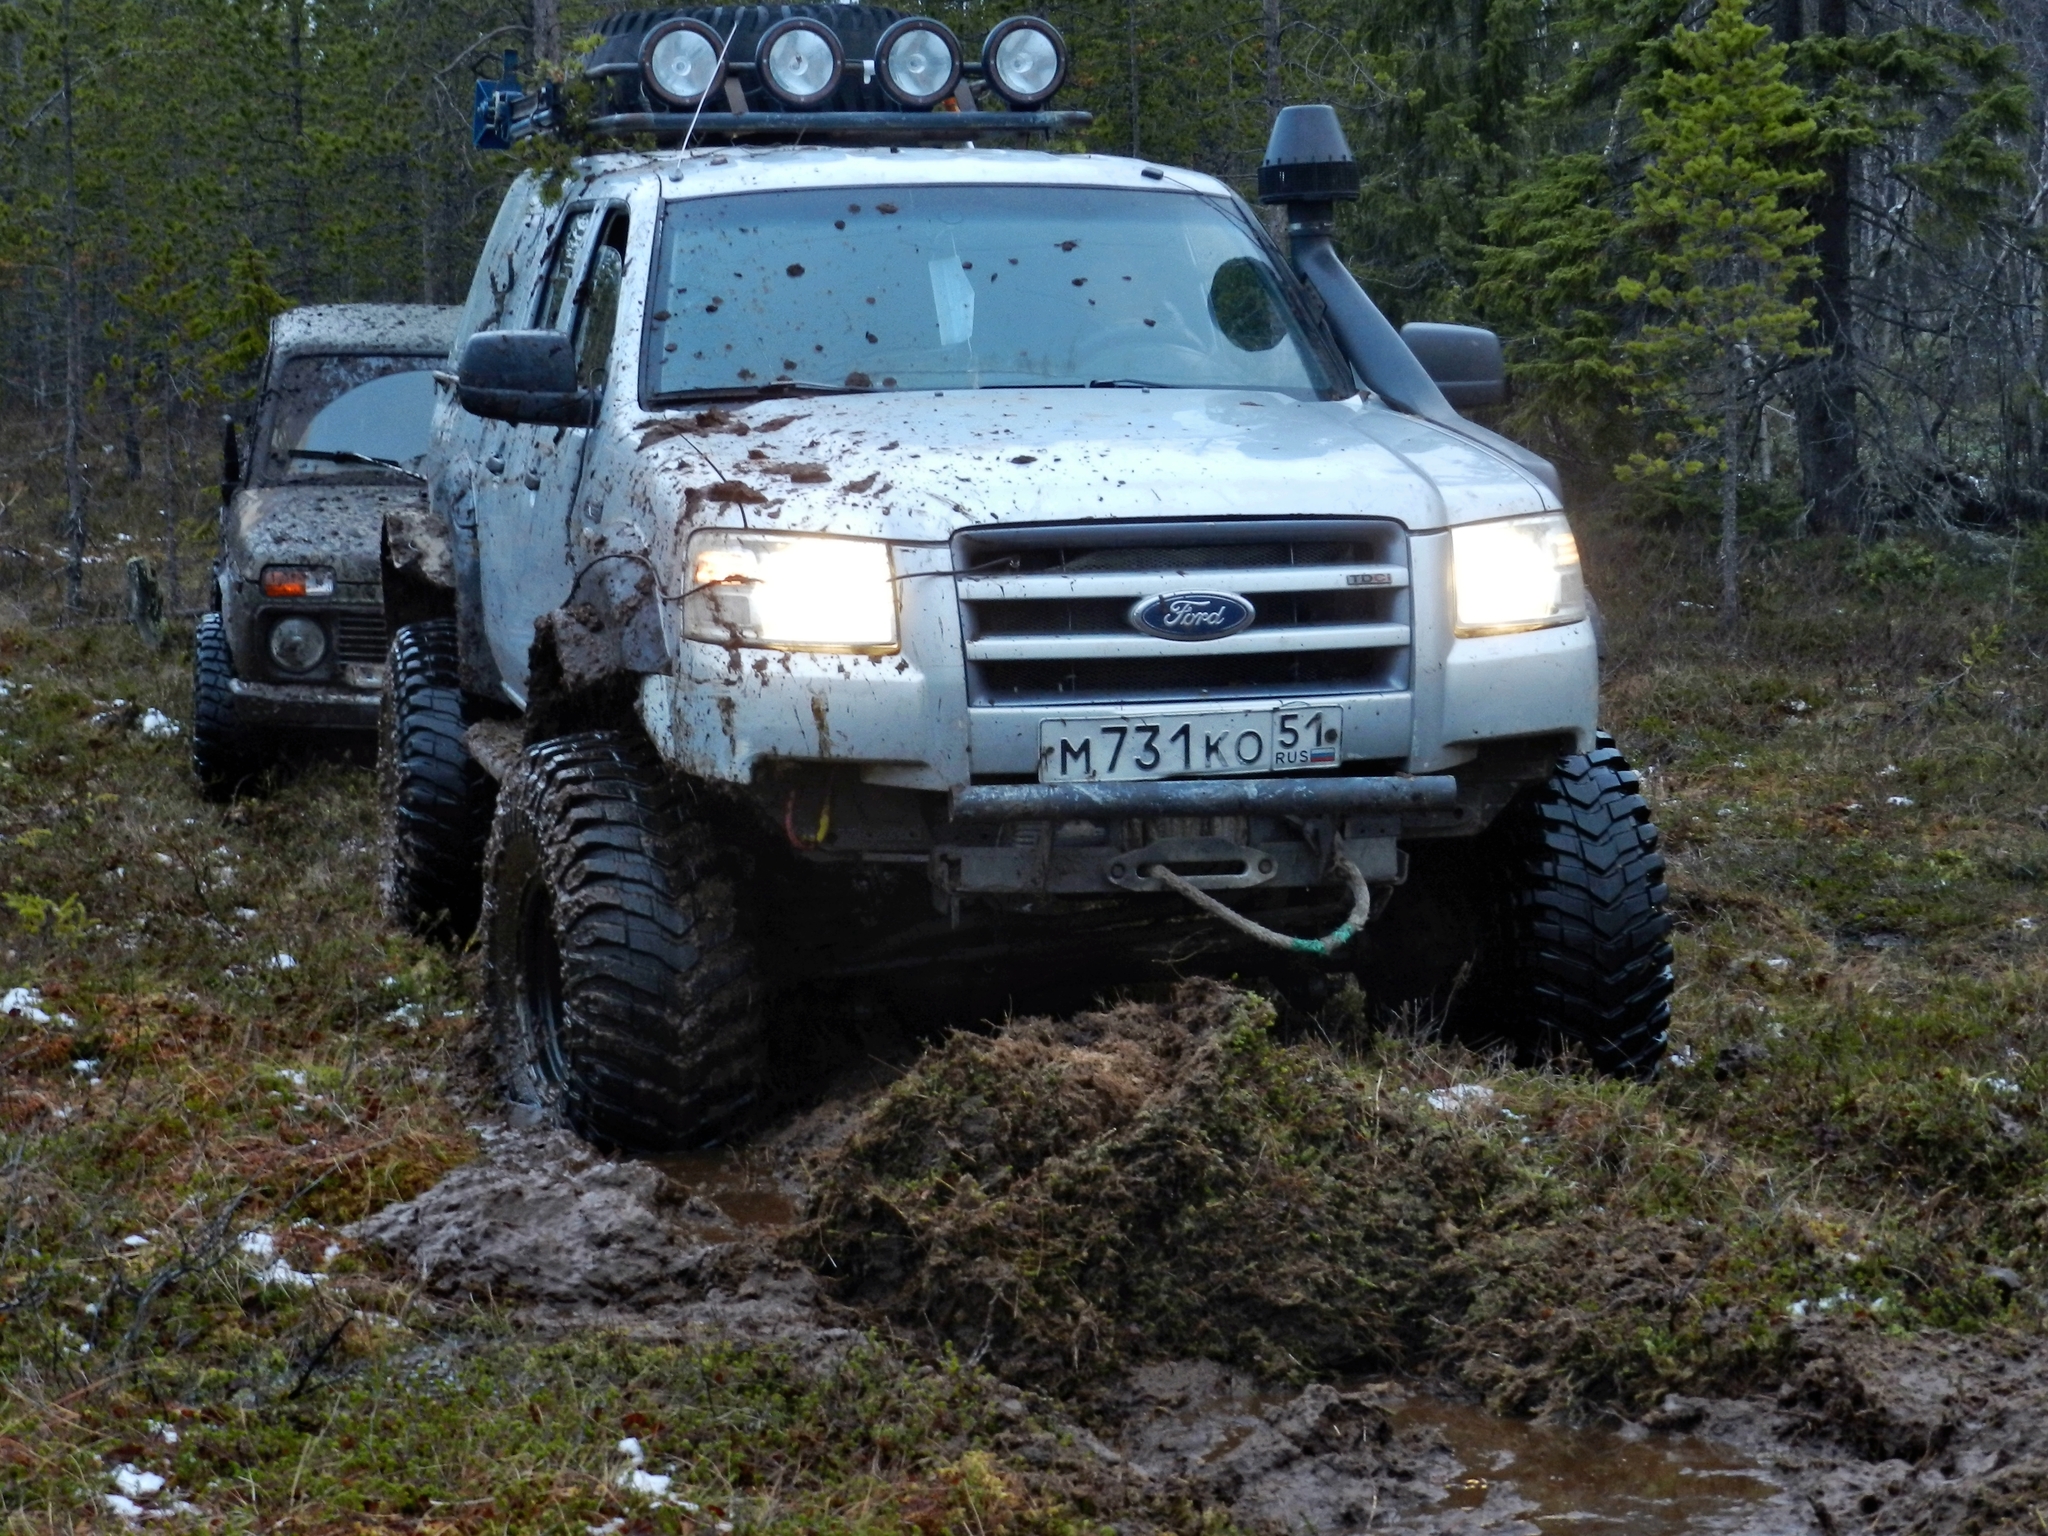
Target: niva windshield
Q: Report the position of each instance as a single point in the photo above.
(925, 288)
(333, 413)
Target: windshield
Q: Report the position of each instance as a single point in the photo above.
(344, 410)
(974, 287)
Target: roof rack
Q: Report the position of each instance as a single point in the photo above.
(736, 96)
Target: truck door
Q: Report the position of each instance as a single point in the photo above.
(527, 495)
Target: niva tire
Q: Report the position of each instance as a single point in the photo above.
(436, 799)
(1583, 961)
(619, 993)
(223, 759)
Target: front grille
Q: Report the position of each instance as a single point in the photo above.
(1045, 610)
(360, 637)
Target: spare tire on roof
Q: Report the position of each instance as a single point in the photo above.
(858, 28)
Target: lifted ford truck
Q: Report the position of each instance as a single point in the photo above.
(878, 555)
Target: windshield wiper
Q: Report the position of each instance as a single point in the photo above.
(764, 391)
(349, 456)
(1135, 384)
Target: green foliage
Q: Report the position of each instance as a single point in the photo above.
(1715, 216)
(1896, 566)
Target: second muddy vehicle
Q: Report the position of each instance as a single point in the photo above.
(881, 555)
(325, 537)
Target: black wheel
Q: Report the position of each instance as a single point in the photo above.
(223, 757)
(618, 990)
(1584, 959)
(437, 800)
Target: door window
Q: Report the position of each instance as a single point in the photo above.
(597, 314)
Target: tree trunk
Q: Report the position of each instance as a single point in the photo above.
(547, 30)
(74, 347)
(1270, 29)
(1131, 48)
(1731, 491)
(1826, 395)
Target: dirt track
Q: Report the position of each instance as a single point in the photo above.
(1929, 1433)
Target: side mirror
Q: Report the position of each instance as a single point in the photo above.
(523, 376)
(1465, 361)
(230, 460)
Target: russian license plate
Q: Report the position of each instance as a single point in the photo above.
(1115, 747)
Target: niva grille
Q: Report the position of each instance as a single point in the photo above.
(1045, 610)
(360, 637)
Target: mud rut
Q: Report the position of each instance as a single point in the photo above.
(1928, 1433)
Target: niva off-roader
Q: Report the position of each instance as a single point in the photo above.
(323, 538)
(879, 553)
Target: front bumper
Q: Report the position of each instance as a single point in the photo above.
(303, 706)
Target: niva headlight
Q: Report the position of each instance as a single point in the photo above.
(1518, 573)
(790, 592)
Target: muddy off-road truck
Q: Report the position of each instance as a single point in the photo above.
(884, 555)
(324, 537)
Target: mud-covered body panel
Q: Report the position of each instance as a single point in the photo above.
(610, 511)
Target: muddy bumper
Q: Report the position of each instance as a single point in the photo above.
(304, 706)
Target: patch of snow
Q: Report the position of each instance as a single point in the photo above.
(86, 1064)
(2024, 924)
(136, 1483)
(1682, 1057)
(1459, 1096)
(159, 1427)
(277, 1272)
(123, 1506)
(1898, 800)
(257, 1245)
(247, 914)
(155, 722)
(24, 1003)
(1888, 770)
(1778, 962)
(134, 1240)
(281, 962)
(293, 1076)
(630, 1449)
(411, 1015)
(654, 1485)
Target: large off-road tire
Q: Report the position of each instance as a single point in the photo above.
(1583, 956)
(224, 759)
(619, 992)
(437, 800)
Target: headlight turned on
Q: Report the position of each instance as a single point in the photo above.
(790, 592)
(1519, 573)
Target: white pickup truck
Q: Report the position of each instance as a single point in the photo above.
(884, 555)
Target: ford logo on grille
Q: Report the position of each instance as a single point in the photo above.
(1192, 615)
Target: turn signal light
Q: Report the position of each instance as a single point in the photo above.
(297, 581)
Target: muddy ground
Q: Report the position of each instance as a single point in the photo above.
(1866, 1431)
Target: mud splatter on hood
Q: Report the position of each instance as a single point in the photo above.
(339, 526)
(925, 464)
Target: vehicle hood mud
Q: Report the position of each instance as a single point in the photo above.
(338, 526)
(929, 464)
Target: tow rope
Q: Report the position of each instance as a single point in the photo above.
(1329, 944)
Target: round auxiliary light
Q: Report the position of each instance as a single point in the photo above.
(918, 61)
(680, 61)
(799, 61)
(297, 643)
(1025, 59)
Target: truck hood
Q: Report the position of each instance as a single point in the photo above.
(925, 465)
(340, 526)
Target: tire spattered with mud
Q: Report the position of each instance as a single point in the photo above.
(1585, 958)
(221, 756)
(619, 993)
(437, 801)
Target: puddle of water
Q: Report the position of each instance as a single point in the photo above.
(1583, 1481)
(738, 1181)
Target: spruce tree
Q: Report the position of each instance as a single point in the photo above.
(1717, 218)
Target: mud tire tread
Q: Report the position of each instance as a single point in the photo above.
(1589, 939)
(222, 756)
(437, 799)
(661, 1026)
